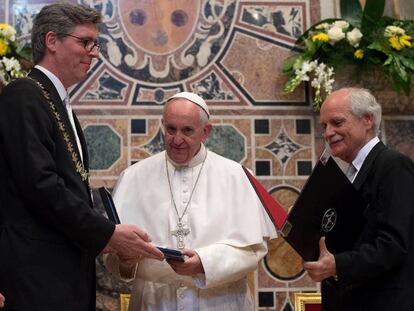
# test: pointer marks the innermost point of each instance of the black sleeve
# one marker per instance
(32, 145)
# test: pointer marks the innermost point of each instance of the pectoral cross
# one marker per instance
(180, 233)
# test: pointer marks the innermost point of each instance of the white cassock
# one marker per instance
(228, 229)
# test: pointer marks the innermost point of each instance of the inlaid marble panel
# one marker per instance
(399, 134)
(228, 142)
(104, 146)
(107, 87)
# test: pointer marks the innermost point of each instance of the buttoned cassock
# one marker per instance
(228, 229)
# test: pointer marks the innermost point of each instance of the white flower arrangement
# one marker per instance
(354, 37)
(322, 78)
(306, 65)
(10, 67)
(397, 37)
(8, 32)
(330, 45)
(366, 39)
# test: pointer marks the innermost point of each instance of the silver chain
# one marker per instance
(192, 191)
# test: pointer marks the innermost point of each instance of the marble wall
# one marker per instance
(230, 52)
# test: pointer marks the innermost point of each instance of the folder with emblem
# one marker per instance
(328, 205)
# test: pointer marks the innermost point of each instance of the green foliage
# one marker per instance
(352, 12)
(373, 11)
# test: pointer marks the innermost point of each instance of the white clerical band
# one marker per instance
(193, 98)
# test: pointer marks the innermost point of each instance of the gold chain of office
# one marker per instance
(80, 169)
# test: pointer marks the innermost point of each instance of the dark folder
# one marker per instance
(109, 205)
(329, 206)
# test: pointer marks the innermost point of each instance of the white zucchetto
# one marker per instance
(193, 98)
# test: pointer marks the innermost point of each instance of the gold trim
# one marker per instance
(124, 301)
(80, 169)
(287, 227)
(302, 299)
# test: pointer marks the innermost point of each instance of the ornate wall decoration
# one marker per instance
(164, 45)
(230, 52)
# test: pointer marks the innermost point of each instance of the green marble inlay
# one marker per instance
(104, 146)
(227, 141)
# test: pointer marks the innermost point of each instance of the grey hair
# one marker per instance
(363, 103)
(59, 18)
(204, 118)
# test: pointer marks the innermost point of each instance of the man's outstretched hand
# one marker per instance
(132, 243)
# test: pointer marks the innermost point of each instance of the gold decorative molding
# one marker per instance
(303, 299)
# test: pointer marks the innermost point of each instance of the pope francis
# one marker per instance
(194, 200)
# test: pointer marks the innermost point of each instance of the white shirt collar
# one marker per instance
(196, 160)
(363, 153)
(55, 80)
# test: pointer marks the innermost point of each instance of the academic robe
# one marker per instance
(378, 273)
(49, 232)
(228, 229)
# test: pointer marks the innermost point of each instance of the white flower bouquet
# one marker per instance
(373, 40)
(10, 55)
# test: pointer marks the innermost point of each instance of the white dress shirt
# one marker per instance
(362, 154)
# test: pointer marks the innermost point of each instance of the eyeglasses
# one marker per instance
(88, 44)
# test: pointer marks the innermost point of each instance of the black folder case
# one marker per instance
(109, 205)
(329, 206)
